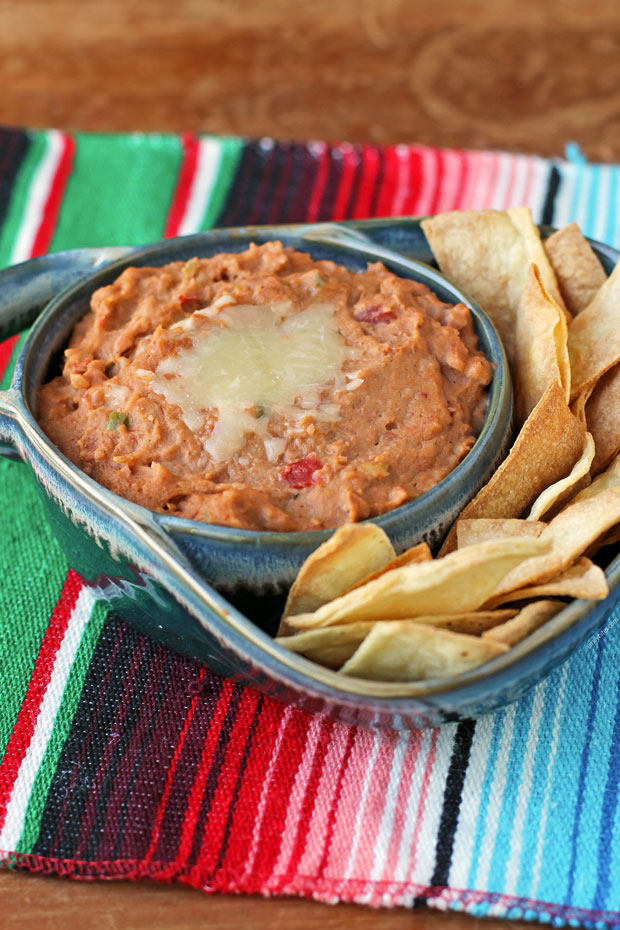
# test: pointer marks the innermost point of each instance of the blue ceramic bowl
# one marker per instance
(161, 573)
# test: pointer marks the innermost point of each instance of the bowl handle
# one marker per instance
(24, 290)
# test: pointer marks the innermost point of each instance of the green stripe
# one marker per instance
(7, 375)
(32, 573)
(19, 195)
(230, 153)
(119, 191)
(62, 728)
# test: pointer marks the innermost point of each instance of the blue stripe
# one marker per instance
(485, 794)
(612, 207)
(592, 205)
(609, 814)
(583, 768)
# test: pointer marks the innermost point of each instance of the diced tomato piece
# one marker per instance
(300, 474)
(187, 298)
(376, 313)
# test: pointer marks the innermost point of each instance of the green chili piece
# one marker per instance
(117, 418)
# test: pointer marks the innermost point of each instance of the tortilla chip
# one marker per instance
(472, 532)
(526, 621)
(578, 270)
(548, 446)
(419, 553)
(461, 582)
(409, 651)
(594, 336)
(583, 579)
(328, 645)
(540, 350)
(349, 555)
(603, 416)
(570, 533)
(556, 493)
(488, 253)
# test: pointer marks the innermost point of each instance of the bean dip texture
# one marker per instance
(268, 391)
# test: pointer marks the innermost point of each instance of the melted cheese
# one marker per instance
(255, 359)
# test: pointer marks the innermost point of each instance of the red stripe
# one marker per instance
(388, 186)
(213, 834)
(46, 229)
(367, 183)
(329, 833)
(39, 680)
(305, 816)
(438, 180)
(182, 192)
(269, 840)
(319, 185)
(243, 826)
(202, 770)
(6, 351)
(350, 160)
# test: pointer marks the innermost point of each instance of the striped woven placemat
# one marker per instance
(121, 759)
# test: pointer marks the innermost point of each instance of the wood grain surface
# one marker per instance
(515, 74)
(511, 74)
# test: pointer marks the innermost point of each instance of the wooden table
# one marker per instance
(510, 74)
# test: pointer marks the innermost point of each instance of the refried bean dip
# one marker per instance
(268, 391)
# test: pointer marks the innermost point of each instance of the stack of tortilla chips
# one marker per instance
(524, 544)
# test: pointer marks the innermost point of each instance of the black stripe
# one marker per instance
(93, 720)
(452, 801)
(303, 179)
(276, 166)
(237, 788)
(334, 171)
(359, 168)
(553, 186)
(14, 143)
(214, 772)
(135, 771)
(240, 190)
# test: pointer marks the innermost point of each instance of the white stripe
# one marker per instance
(536, 870)
(563, 214)
(494, 809)
(424, 865)
(479, 192)
(359, 819)
(504, 171)
(451, 180)
(207, 165)
(298, 792)
(517, 195)
(538, 189)
(384, 834)
(37, 197)
(413, 801)
(63, 663)
(265, 792)
(469, 809)
(513, 866)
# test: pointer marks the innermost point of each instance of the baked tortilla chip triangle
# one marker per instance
(583, 579)
(472, 532)
(578, 270)
(405, 650)
(351, 553)
(550, 443)
(460, 582)
(594, 336)
(603, 416)
(488, 253)
(540, 350)
(527, 620)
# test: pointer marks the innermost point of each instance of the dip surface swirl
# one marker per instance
(267, 391)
